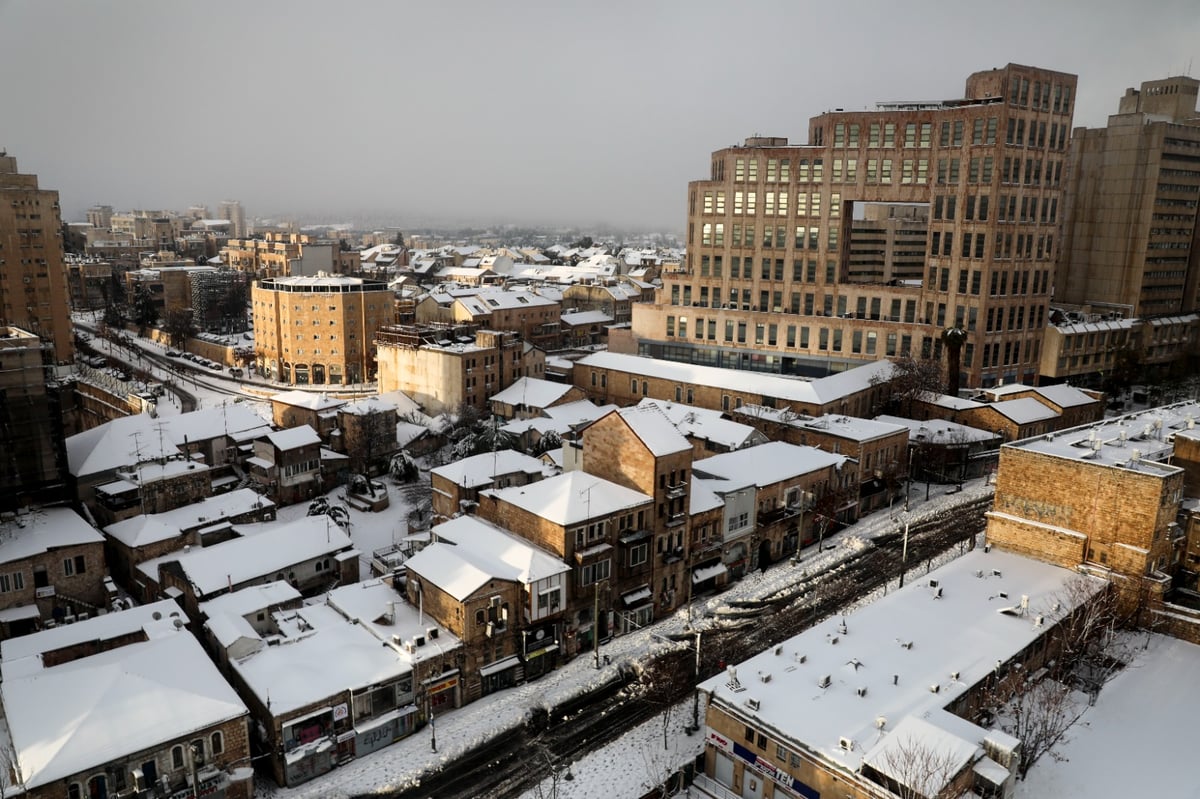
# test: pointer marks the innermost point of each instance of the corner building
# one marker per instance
(767, 284)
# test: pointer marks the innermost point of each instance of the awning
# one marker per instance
(19, 613)
(546, 650)
(590, 552)
(708, 572)
(637, 535)
(503, 664)
(636, 596)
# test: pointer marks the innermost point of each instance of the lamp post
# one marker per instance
(904, 553)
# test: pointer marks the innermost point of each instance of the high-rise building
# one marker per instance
(34, 294)
(233, 211)
(1129, 245)
(768, 285)
(32, 453)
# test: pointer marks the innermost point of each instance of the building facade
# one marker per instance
(33, 275)
(767, 284)
(1129, 247)
(318, 330)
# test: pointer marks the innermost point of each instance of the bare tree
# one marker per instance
(910, 379)
(1039, 713)
(913, 768)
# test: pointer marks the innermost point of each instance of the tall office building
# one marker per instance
(768, 282)
(1129, 245)
(233, 211)
(34, 293)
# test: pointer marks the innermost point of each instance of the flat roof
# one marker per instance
(571, 498)
(909, 654)
(1141, 441)
(767, 463)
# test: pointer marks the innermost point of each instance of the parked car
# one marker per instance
(174, 354)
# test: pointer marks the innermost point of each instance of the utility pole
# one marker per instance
(696, 689)
(904, 554)
(596, 623)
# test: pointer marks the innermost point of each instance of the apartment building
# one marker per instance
(445, 367)
(767, 286)
(1128, 243)
(33, 276)
(318, 330)
(33, 459)
(1104, 497)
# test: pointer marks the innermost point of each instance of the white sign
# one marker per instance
(341, 711)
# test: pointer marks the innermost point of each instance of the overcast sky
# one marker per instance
(484, 112)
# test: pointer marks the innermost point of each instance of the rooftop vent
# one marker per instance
(937, 594)
(824, 681)
(765, 676)
(753, 703)
(861, 690)
(996, 573)
(779, 649)
(954, 675)
(935, 689)
(880, 722)
(933, 583)
(906, 644)
(801, 658)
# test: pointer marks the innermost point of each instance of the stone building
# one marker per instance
(183, 730)
(456, 486)
(287, 464)
(318, 330)
(1129, 247)
(444, 368)
(52, 571)
(33, 458)
(627, 379)
(1105, 497)
(533, 317)
(34, 295)
(503, 597)
(766, 285)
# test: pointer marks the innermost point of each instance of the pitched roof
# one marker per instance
(571, 498)
(767, 463)
(655, 430)
(532, 392)
(43, 530)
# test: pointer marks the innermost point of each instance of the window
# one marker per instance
(594, 572)
(176, 757)
(638, 554)
(217, 743)
(74, 565)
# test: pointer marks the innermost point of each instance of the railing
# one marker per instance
(676, 519)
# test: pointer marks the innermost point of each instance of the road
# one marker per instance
(504, 767)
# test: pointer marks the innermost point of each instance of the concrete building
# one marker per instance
(33, 275)
(888, 245)
(1083, 348)
(318, 330)
(766, 285)
(1129, 247)
(232, 211)
(445, 367)
(33, 460)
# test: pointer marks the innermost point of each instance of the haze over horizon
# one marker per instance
(483, 113)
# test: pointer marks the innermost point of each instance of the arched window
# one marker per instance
(176, 757)
(74, 791)
(98, 787)
(217, 743)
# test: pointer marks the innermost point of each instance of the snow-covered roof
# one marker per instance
(1025, 410)
(957, 636)
(654, 429)
(42, 530)
(571, 498)
(586, 318)
(378, 608)
(322, 655)
(62, 718)
(532, 392)
(481, 470)
(272, 548)
(293, 437)
(121, 442)
(579, 412)
(487, 301)
(939, 430)
(952, 403)
(1139, 441)
(308, 399)
(149, 528)
(707, 493)
(814, 392)
(498, 552)
(449, 568)
(250, 599)
(368, 406)
(707, 424)
(19, 655)
(1065, 396)
(767, 463)
(893, 756)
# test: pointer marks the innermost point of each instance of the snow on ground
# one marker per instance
(1136, 738)
(612, 773)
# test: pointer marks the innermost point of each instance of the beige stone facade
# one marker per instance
(33, 276)
(443, 368)
(33, 463)
(766, 285)
(1128, 246)
(318, 330)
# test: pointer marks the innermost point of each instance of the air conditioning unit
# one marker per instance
(432, 633)
(846, 744)
(420, 640)
(491, 629)
(825, 681)
(753, 704)
(861, 691)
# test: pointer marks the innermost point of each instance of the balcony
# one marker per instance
(676, 519)
(778, 514)
(676, 491)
